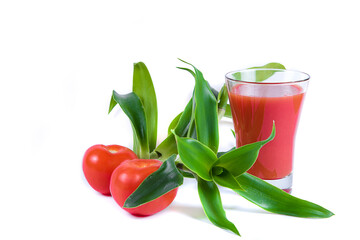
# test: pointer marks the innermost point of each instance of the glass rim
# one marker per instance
(306, 77)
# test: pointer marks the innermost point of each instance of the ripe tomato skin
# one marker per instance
(128, 176)
(100, 161)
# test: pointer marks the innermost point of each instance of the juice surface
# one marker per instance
(254, 108)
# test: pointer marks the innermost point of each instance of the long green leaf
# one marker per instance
(144, 88)
(278, 201)
(211, 201)
(206, 115)
(160, 182)
(196, 156)
(241, 159)
(133, 108)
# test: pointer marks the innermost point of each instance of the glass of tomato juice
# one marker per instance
(258, 97)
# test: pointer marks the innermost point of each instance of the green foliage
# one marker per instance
(193, 135)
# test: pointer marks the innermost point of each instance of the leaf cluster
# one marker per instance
(191, 150)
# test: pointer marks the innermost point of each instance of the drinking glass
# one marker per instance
(258, 97)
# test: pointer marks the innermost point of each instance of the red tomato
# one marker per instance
(100, 161)
(128, 176)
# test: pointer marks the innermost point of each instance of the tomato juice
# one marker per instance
(254, 107)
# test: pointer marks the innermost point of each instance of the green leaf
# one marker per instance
(276, 200)
(206, 118)
(262, 75)
(191, 131)
(233, 133)
(168, 147)
(222, 98)
(241, 159)
(133, 108)
(222, 101)
(228, 111)
(183, 125)
(136, 143)
(206, 115)
(174, 123)
(192, 127)
(214, 91)
(144, 88)
(272, 65)
(185, 171)
(187, 69)
(196, 156)
(224, 178)
(160, 182)
(211, 201)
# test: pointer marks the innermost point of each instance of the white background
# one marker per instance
(60, 61)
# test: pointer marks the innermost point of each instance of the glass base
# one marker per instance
(283, 183)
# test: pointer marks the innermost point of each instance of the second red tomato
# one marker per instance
(128, 176)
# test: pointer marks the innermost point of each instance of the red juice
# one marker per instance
(254, 108)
